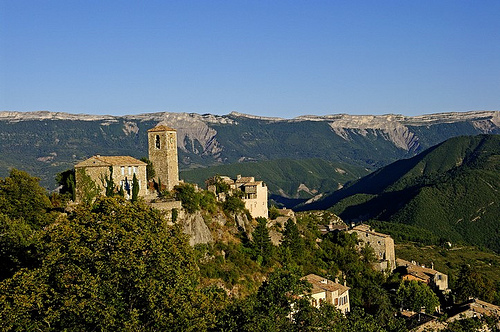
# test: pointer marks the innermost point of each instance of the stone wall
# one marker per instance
(382, 244)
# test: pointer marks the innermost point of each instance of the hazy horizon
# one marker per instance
(274, 59)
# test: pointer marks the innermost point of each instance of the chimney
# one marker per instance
(336, 280)
(345, 283)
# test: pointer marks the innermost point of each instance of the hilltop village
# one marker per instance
(129, 177)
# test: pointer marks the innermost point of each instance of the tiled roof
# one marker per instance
(161, 128)
(321, 284)
(110, 161)
(418, 271)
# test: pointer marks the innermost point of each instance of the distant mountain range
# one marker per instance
(335, 148)
(451, 189)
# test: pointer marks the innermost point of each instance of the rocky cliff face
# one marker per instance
(194, 226)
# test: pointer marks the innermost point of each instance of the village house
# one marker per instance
(382, 244)
(254, 193)
(325, 290)
(475, 308)
(414, 271)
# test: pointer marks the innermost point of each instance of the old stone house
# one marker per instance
(382, 244)
(254, 193)
(475, 308)
(325, 290)
(414, 271)
(162, 148)
(123, 168)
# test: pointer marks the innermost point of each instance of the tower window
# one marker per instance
(157, 141)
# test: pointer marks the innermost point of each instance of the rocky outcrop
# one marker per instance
(194, 226)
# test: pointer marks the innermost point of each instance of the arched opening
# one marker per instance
(157, 141)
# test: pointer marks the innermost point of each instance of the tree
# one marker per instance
(186, 193)
(67, 182)
(135, 188)
(274, 212)
(111, 266)
(233, 204)
(414, 295)
(110, 183)
(261, 245)
(22, 197)
(150, 171)
(470, 283)
(291, 239)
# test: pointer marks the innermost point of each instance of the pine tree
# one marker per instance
(291, 239)
(110, 184)
(261, 242)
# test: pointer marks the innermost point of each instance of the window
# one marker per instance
(123, 170)
(135, 169)
(130, 170)
(157, 141)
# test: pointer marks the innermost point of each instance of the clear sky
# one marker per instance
(269, 57)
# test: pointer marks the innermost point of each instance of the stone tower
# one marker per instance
(162, 142)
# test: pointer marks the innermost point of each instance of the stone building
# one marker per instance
(162, 146)
(325, 290)
(382, 244)
(99, 168)
(254, 193)
(475, 308)
(414, 271)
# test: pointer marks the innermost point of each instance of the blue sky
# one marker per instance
(271, 58)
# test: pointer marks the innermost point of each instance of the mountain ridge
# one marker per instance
(44, 143)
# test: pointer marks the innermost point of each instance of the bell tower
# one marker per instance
(162, 143)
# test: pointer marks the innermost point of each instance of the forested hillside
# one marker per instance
(452, 189)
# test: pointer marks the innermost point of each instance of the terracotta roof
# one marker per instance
(161, 128)
(321, 284)
(110, 161)
(415, 270)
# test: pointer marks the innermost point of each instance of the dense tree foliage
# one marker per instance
(193, 199)
(67, 183)
(414, 295)
(472, 284)
(112, 266)
(150, 171)
(262, 248)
